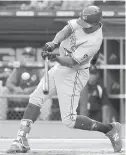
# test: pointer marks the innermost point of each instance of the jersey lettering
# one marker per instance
(82, 46)
(73, 42)
(85, 56)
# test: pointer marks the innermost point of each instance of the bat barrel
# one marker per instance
(46, 78)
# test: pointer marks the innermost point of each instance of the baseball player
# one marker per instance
(76, 43)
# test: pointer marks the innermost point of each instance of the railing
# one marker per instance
(17, 96)
(16, 111)
(117, 96)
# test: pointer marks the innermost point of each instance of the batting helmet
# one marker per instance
(91, 15)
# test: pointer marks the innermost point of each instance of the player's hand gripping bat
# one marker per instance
(46, 56)
(46, 77)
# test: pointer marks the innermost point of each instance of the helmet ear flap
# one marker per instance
(83, 16)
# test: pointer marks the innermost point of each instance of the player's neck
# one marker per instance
(92, 29)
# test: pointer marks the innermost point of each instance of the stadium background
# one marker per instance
(29, 24)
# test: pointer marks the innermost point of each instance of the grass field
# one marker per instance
(66, 147)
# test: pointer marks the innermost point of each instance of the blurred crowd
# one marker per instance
(20, 81)
(94, 101)
(23, 81)
(56, 4)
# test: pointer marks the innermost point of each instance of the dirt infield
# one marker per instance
(65, 147)
(67, 153)
(52, 138)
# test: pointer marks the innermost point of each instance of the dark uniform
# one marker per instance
(97, 97)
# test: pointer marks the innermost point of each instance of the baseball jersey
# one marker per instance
(80, 45)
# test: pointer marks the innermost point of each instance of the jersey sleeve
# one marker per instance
(83, 53)
(72, 23)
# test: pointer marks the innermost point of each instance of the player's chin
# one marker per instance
(83, 23)
(87, 26)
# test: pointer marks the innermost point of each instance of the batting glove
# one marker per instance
(51, 56)
(44, 54)
(50, 46)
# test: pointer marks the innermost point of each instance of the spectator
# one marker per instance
(23, 81)
(3, 102)
(4, 74)
(33, 4)
(42, 5)
(78, 5)
(99, 106)
(54, 5)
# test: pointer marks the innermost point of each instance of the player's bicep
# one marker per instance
(82, 54)
(63, 34)
(67, 31)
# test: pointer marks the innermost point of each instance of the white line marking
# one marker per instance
(85, 149)
(36, 139)
(69, 150)
(60, 140)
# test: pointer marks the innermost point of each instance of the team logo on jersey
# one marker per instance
(73, 48)
(73, 42)
(85, 56)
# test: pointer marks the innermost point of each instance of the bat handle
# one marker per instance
(46, 64)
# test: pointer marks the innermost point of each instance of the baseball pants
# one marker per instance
(66, 83)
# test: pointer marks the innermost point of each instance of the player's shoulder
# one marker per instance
(96, 35)
(73, 24)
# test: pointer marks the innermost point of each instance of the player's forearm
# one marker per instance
(11, 86)
(60, 36)
(55, 51)
(65, 61)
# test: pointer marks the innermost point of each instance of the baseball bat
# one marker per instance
(46, 78)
